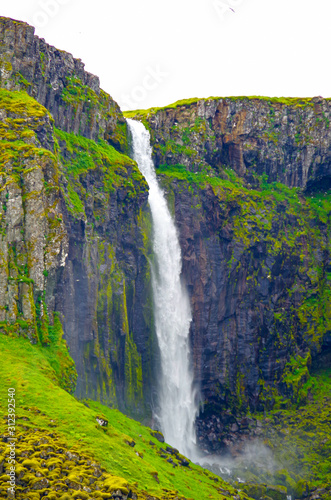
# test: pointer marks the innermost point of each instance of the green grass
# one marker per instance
(74, 204)
(87, 153)
(27, 368)
(298, 437)
(75, 92)
(110, 169)
(203, 177)
(321, 204)
(84, 154)
(20, 103)
(142, 112)
(58, 357)
(23, 116)
(288, 101)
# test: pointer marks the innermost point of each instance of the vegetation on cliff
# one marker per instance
(289, 225)
(275, 241)
(140, 114)
(248, 180)
(80, 156)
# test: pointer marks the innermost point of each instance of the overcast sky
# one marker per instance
(151, 52)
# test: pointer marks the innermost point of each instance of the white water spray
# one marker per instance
(178, 407)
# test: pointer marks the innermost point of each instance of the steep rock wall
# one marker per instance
(59, 82)
(287, 139)
(256, 253)
(75, 223)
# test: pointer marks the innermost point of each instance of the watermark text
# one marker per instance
(223, 7)
(153, 78)
(11, 444)
(48, 9)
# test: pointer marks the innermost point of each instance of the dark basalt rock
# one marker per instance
(158, 435)
(287, 139)
(59, 82)
(258, 286)
(87, 262)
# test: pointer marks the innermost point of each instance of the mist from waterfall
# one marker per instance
(177, 403)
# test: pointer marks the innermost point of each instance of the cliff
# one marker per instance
(243, 177)
(74, 221)
(248, 181)
(288, 139)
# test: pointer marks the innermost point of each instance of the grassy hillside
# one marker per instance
(59, 441)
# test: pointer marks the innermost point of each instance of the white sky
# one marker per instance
(151, 53)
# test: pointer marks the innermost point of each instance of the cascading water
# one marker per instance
(178, 407)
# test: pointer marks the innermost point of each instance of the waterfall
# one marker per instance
(178, 407)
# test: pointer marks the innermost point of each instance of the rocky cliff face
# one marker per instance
(74, 222)
(59, 82)
(256, 249)
(287, 139)
(248, 182)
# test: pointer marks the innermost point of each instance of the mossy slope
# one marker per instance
(59, 442)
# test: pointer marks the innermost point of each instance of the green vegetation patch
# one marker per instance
(20, 103)
(109, 171)
(21, 118)
(300, 436)
(125, 448)
(288, 101)
(85, 154)
(75, 91)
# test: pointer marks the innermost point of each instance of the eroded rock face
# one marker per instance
(34, 240)
(256, 262)
(73, 215)
(287, 139)
(256, 301)
(59, 82)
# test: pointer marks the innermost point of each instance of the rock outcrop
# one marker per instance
(59, 82)
(287, 139)
(74, 221)
(256, 248)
